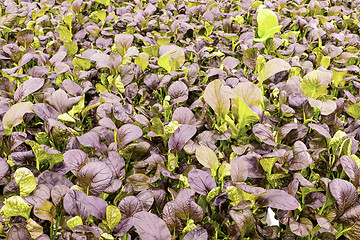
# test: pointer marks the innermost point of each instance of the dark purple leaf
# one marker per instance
(4, 168)
(244, 220)
(238, 170)
(18, 231)
(278, 199)
(201, 181)
(96, 206)
(344, 192)
(58, 193)
(180, 137)
(95, 177)
(129, 206)
(350, 168)
(52, 179)
(321, 130)
(123, 227)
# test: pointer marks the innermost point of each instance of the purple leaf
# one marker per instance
(181, 136)
(151, 227)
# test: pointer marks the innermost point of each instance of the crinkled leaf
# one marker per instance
(113, 216)
(129, 206)
(75, 159)
(26, 180)
(18, 231)
(16, 206)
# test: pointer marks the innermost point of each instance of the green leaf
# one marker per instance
(113, 216)
(34, 228)
(338, 77)
(45, 210)
(216, 96)
(68, 20)
(73, 222)
(213, 194)
(207, 158)
(65, 117)
(224, 170)
(77, 108)
(268, 24)
(43, 157)
(105, 2)
(14, 116)
(71, 47)
(268, 163)
(354, 111)
(83, 64)
(336, 140)
(272, 67)
(345, 147)
(64, 32)
(325, 61)
(172, 59)
(142, 60)
(16, 206)
(26, 180)
(152, 51)
(315, 83)
(245, 115)
(236, 195)
(249, 92)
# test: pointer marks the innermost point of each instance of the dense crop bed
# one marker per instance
(179, 119)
